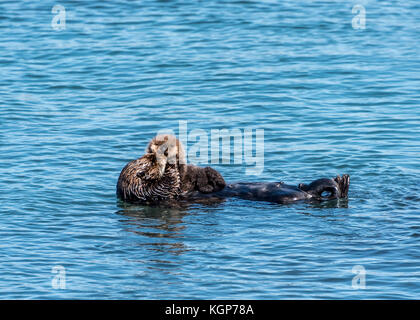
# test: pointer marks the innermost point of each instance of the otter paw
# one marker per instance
(209, 180)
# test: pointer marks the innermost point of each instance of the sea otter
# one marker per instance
(162, 175)
(279, 192)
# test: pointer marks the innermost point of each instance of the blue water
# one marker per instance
(77, 104)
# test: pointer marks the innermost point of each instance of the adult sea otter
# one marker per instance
(162, 175)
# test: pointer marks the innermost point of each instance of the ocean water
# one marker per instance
(80, 98)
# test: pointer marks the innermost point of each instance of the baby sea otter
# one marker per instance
(162, 174)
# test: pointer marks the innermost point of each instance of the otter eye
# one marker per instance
(166, 153)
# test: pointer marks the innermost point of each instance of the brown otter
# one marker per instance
(163, 175)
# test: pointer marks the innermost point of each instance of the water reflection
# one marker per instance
(313, 208)
(162, 228)
(335, 203)
(162, 225)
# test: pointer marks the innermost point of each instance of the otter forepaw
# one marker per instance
(210, 180)
(215, 179)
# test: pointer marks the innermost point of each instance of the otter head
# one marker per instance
(166, 149)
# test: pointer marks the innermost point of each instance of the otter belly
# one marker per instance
(272, 191)
(279, 192)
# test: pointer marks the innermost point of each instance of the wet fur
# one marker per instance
(162, 174)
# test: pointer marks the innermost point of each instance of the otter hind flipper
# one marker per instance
(343, 185)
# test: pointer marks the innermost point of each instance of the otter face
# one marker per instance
(167, 150)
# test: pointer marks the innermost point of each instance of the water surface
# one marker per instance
(77, 104)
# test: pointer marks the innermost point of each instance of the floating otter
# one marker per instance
(279, 192)
(162, 175)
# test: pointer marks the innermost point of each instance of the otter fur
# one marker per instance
(162, 174)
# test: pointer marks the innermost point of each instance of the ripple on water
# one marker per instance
(78, 104)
